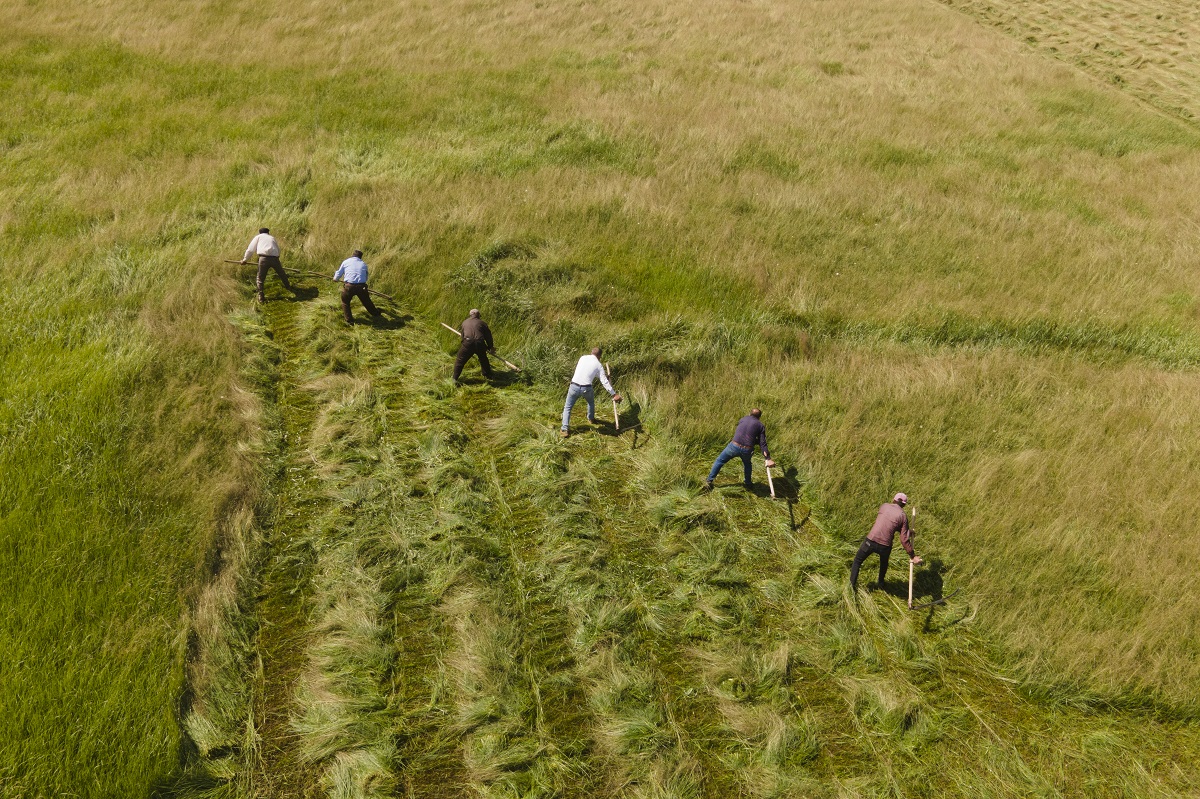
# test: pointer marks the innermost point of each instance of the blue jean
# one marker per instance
(573, 395)
(730, 452)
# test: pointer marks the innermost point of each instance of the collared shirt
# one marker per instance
(751, 431)
(352, 270)
(262, 244)
(475, 329)
(891, 520)
(587, 370)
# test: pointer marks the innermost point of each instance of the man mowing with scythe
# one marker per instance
(353, 274)
(587, 371)
(750, 431)
(891, 520)
(266, 248)
(476, 342)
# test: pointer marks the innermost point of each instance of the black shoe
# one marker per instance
(708, 485)
(748, 486)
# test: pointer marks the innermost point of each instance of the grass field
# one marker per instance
(254, 553)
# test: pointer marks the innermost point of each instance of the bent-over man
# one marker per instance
(587, 371)
(266, 248)
(750, 431)
(354, 272)
(476, 341)
(891, 520)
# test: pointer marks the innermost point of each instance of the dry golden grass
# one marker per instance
(1143, 47)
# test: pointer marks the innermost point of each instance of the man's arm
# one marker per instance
(906, 534)
(487, 336)
(251, 248)
(604, 378)
(341, 270)
(762, 440)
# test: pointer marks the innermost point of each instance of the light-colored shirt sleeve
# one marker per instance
(603, 377)
(587, 370)
(251, 248)
(352, 270)
(262, 244)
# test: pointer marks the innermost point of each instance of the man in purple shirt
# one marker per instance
(750, 431)
(891, 520)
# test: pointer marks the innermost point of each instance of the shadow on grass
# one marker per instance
(502, 378)
(386, 320)
(928, 582)
(631, 422)
(303, 294)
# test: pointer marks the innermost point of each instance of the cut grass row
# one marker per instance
(495, 611)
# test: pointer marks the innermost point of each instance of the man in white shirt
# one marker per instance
(354, 272)
(266, 248)
(586, 371)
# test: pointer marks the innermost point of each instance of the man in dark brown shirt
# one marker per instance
(477, 341)
(891, 520)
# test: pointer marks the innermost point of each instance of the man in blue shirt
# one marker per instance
(354, 272)
(750, 431)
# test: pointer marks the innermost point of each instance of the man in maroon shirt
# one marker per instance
(891, 520)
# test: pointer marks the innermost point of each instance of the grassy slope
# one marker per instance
(668, 178)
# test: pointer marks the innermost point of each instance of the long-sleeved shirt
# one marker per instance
(352, 270)
(751, 431)
(587, 370)
(474, 329)
(892, 520)
(262, 244)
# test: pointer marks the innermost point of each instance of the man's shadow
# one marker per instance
(927, 579)
(631, 420)
(389, 319)
(501, 378)
(304, 293)
(928, 583)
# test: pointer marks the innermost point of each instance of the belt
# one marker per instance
(348, 283)
(581, 385)
(742, 446)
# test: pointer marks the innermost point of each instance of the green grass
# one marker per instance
(284, 555)
(494, 611)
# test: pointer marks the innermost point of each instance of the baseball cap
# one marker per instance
(902, 498)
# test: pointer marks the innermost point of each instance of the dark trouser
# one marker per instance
(469, 348)
(869, 546)
(357, 290)
(266, 262)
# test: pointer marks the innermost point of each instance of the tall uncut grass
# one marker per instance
(941, 262)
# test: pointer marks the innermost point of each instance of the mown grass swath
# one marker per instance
(964, 276)
(580, 619)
